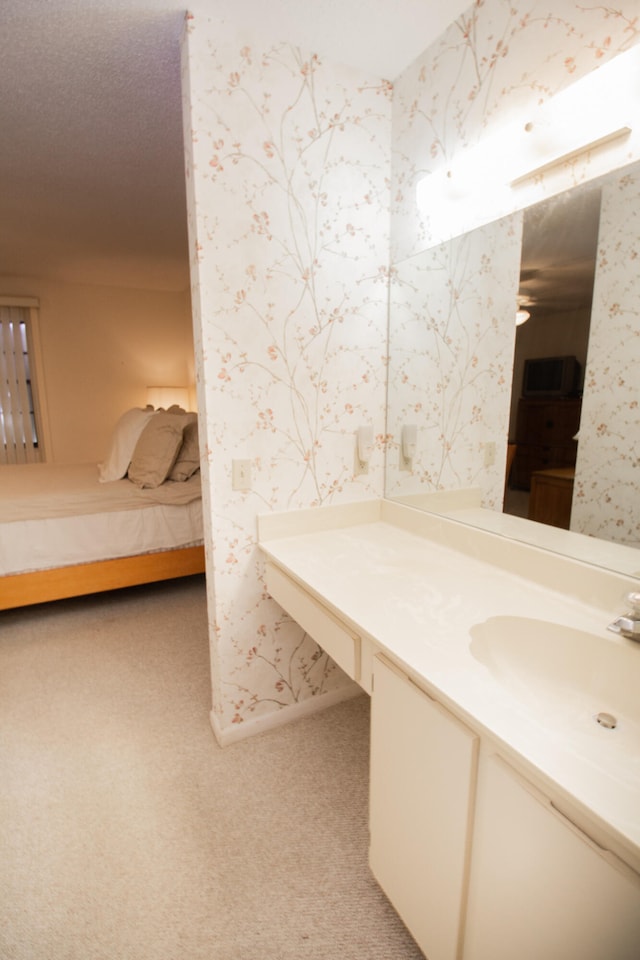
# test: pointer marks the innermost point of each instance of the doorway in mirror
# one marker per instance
(559, 246)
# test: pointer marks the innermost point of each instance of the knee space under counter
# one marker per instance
(336, 637)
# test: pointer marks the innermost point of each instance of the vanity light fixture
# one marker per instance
(591, 115)
(522, 316)
(473, 185)
(571, 155)
(586, 123)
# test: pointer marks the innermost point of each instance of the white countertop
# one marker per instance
(422, 602)
(464, 505)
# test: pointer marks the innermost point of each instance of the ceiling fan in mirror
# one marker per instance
(523, 310)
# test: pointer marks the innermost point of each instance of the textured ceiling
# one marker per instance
(91, 167)
(91, 162)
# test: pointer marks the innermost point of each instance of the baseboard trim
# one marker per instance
(250, 728)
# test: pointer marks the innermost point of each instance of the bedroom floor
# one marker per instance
(127, 834)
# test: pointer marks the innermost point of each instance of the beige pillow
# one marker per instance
(126, 434)
(189, 454)
(156, 450)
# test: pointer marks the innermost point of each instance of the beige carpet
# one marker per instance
(127, 834)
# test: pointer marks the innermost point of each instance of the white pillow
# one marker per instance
(125, 436)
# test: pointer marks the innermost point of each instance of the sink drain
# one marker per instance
(606, 720)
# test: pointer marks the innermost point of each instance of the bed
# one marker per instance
(73, 529)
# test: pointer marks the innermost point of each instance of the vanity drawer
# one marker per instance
(335, 637)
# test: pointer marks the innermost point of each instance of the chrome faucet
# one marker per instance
(628, 625)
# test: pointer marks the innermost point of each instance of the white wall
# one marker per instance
(101, 346)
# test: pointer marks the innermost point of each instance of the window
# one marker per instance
(20, 430)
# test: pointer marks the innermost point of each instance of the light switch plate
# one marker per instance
(489, 454)
(241, 474)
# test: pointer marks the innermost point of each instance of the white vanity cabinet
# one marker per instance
(540, 887)
(423, 766)
(479, 863)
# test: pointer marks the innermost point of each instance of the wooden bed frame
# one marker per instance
(40, 586)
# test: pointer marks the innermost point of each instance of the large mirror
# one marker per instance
(530, 430)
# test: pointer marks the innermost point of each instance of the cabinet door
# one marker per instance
(551, 499)
(539, 887)
(423, 764)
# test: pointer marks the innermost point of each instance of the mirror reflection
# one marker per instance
(555, 294)
(489, 413)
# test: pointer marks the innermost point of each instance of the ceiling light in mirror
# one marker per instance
(522, 311)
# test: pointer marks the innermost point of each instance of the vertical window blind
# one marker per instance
(19, 442)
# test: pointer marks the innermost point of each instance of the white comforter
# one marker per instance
(36, 491)
(54, 515)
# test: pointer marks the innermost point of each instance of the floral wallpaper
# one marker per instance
(605, 499)
(301, 178)
(452, 339)
(288, 160)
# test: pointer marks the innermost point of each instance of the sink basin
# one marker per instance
(571, 680)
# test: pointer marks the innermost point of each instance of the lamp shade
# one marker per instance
(166, 397)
